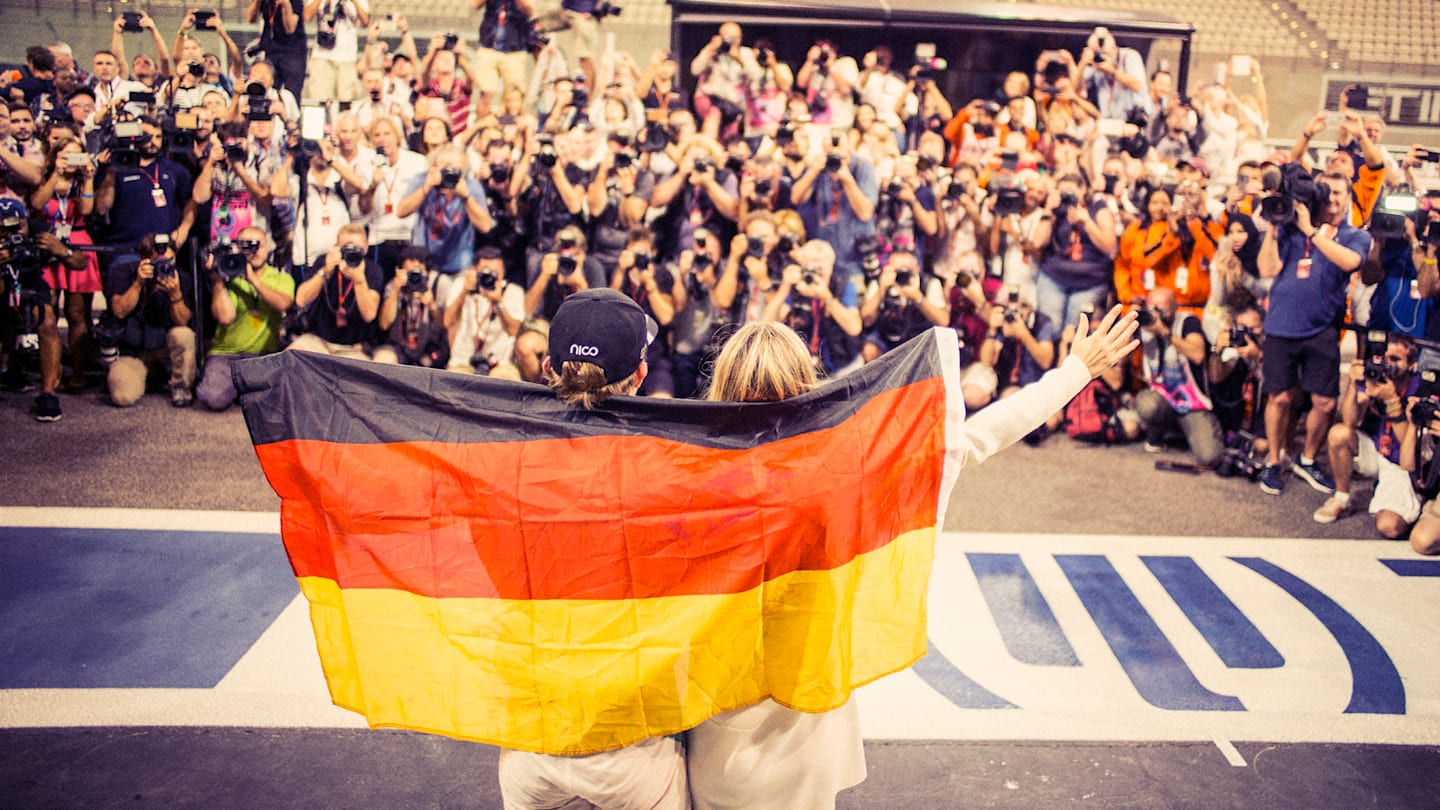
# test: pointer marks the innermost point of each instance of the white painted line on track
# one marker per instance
(1232, 754)
(194, 520)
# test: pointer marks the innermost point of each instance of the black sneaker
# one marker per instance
(14, 380)
(180, 396)
(47, 408)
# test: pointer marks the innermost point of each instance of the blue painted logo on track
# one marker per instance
(1032, 636)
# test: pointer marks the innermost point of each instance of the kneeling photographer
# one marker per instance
(148, 323)
(1020, 346)
(411, 317)
(30, 311)
(248, 300)
(1418, 455)
(342, 295)
(1234, 371)
(1370, 433)
(1173, 351)
(483, 318)
(902, 303)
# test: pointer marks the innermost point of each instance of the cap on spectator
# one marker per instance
(1198, 164)
(604, 327)
(12, 208)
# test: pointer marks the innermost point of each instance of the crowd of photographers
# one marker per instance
(436, 208)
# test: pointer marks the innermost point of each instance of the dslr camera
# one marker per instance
(1427, 395)
(1292, 185)
(230, 259)
(449, 178)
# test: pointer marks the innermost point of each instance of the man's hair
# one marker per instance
(759, 214)
(1411, 350)
(40, 57)
(582, 385)
(412, 253)
(146, 248)
(763, 361)
(640, 235)
(349, 228)
(1342, 179)
(18, 106)
(107, 52)
(575, 233)
(82, 90)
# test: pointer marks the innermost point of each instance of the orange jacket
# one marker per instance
(1150, 258)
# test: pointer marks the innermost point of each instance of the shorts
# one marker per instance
(1311, 364)
(495, 69)
(648, 774)
(1393, 490)
(584, 34)
(328, 80)
(980, 376)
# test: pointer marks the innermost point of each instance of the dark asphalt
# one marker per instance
(153, 456)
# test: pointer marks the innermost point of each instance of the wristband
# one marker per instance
(1393, 409)
(1428, 261)
(85, 196)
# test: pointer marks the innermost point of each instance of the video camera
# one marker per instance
(1388, 221)
(1292, 185)
(1239, 458)
(124, 143)
(1009, 195)
(604, 9)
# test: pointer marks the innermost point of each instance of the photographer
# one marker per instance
(723, 70)
(30, 302)
(240, 178)
(1233, 369)
(1403, 299)
(1310, 263)
(187, 49)
(1013, 212)
(375, 103)
(412, 317)
(447, 75)
(905, 215)
(1368, 437)
(1021, 342)
(503, 45)
(65, 201)
(483, 318)
(615, 202)
(150, 196)
(653, 287)
(1366, 181)
(1173, 351)
(331, 76)
(149, 323)
(752, 272)
(700, 313)
(248, 299)
(828, 83)
(398, 171)
(819, 303)
(560, 273)
(282, 39)
(838, 192)
(451, 204)
(1417, 455)
(902, 303)
(328, 186)
(342, 295)
(700, 194)
(143, 70)
(1169, 247)
(1114, 77)
(1077, 269)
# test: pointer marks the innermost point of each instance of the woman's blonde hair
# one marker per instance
(762, 362)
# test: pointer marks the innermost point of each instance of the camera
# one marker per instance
(869, 249)
(1009, 196)
(704, 165)
(700, 260)
(487, 280)
(763, 187)
(1068, 199)
(956, 190)
(500, 173)
(124, 143)
(164, 266)
(131, 24)
(655, 137)
(903, 278)
(547, 156)
(449, 178)
(640, 261)
(623, 159)
(1145, 316)
(755, 247)
(810, 277)
(832, 162)
(1377, 368)
(415, 282)
(604, 9)
(785, 134)
(352, 255)
(204, 20)
(1427, 394)
(894, 187)
(1136, 144)
(734, 164)
(1238, 459)
(1239, 336)
(236, 151)
(785, 244)
(1292, 185)
(230, 261)
(451, 40)
(196, 69)
(325, 38)
(567, 264)
(1388, 221)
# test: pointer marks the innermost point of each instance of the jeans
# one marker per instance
(1063, 306)
(1201, 428)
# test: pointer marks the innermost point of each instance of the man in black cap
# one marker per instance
(597, 347)
(597, 350)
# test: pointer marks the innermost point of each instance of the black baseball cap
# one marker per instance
(604, 327)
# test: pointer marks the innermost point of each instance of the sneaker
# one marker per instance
(1153, 447)
(14, 380)
(1333, 509)
(1271, 480)
(47, 408)
(180, 397)
(1318, 479)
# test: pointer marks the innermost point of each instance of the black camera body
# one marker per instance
(547, 155)
(903, 278)
(236, 151)
(164, 266)
(1427, 396)
(755, 247)
(1009, 197)
(1393, 210)
(452, 39)
(449, 178)
(1377, 368)
(1239, 336)
(230, 261)
(415, 282)
(655, 137)
(704, 165)
(352, 255)
(568, 264)
(785, 244)
(1145, 316)
(1068, 200)
(487, 280)
(1239, 459)
(604, 9)
(1293, 186)
(869, 249)
(832, 162)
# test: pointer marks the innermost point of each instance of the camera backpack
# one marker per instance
(1093, 415)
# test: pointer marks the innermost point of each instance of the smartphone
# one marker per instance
(132, 22)
(140, 98)
(203, 20)
(1240, 66)
(1357, 97)
(77, 159)
(1428, 155)
(312, 122)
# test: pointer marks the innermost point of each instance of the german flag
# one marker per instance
(485, 563)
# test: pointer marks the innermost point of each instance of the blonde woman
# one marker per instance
(767, 756)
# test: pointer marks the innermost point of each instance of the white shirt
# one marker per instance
(389, 190)
(347, 47)
(322, 222)
(480, 326)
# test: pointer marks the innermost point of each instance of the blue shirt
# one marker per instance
(1305, 307)
(1392, 308)
(827, 214)
(444, 228)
